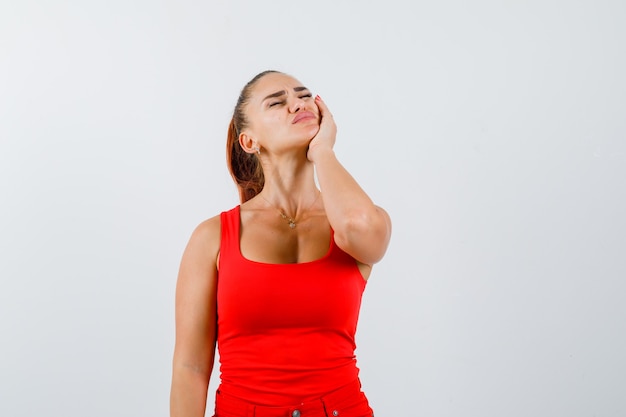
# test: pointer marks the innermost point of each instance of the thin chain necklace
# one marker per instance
(291, 220)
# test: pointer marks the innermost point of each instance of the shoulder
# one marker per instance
(204, 243)
(207, 234)
(208, 228)
(211, 228)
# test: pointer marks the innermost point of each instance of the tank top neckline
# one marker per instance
(314, 261)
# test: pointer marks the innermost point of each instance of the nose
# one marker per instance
(297, 105)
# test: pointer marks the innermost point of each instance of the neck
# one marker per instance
(290, 187)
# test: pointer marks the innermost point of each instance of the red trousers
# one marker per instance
(348, 401)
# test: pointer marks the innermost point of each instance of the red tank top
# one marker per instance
(285, 331)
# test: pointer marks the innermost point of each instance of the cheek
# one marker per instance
(316, 110)
(269, 123)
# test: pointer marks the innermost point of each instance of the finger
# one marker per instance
(322, 106)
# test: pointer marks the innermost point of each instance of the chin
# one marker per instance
(305, 137)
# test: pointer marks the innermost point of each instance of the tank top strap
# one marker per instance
(230, 223)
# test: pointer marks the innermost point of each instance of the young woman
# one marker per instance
(276, 282)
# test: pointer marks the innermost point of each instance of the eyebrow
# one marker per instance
(282, 92)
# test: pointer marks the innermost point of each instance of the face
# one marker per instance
(282, 114)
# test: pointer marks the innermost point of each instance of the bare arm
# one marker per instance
(361, 228)
(196, 322)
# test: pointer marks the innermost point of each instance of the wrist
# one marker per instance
(318, 154)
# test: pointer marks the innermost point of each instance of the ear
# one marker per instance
(248, 144)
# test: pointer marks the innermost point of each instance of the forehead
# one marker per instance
(272, 83)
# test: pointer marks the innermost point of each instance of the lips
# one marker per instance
(303, 116)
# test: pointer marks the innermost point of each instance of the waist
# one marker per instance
(346, 400)
(285, 384)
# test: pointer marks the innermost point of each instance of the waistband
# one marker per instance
(344, 401)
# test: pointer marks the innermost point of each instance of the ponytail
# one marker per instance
(245, 168)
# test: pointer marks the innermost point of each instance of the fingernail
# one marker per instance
(317, 97)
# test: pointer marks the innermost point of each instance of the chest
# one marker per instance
(325, 293)
(271, 240)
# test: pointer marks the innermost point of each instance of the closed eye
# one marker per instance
(280, 103)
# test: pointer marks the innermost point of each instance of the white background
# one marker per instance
(493, 132)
